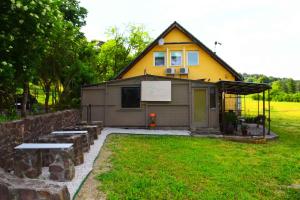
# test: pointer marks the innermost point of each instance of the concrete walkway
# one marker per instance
(82, 171)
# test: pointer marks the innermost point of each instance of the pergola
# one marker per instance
(238, 88)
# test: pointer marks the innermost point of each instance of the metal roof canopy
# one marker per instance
(242, 88)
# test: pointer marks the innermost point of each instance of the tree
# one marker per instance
(277, 86)
(291, 85)
(7, 86)
(41, 42)
(262, 79)
(26, 24)
(120, 49)
(73, 12)
(298, 86)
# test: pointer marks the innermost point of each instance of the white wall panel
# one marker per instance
(156, 91)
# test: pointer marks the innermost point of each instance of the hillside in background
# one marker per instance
(283, 89)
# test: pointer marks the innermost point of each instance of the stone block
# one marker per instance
(62, 169)
(12, 187)
(85, 138)
(28, 163)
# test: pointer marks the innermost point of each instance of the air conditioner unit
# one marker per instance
(184, 70)
(170, 71)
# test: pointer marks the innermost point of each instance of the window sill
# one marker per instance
(130, 109)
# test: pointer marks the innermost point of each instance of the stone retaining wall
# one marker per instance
(29, 129)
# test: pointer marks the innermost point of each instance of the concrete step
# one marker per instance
(206, 131)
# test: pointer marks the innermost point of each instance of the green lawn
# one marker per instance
(166, 167)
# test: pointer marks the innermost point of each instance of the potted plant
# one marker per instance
(230, 120)
(244, 129)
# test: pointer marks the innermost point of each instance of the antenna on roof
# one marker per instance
(216, 43)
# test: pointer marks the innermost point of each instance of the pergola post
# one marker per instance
(245, 105)
(223, 108)
(269, 109)
(257, 104)
(264, 116)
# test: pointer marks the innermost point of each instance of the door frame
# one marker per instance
(195, 125)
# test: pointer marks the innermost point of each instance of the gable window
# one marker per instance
(176, 58)
(131, 97)
(192, 58)
(159, 59)
(212, 97)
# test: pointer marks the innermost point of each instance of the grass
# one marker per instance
(4, 118)
(169, 167)
(38, 92)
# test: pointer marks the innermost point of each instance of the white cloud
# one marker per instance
(257, 36)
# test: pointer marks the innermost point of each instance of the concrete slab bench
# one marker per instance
(28, 160)
(76, 140)
(98, 123)
(85, 138)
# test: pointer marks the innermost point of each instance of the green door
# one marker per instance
(199, 109)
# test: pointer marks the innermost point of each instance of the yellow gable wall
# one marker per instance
(208, 68)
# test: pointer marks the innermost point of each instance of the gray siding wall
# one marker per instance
(105, 100)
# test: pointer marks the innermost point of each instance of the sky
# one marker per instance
(257, 36)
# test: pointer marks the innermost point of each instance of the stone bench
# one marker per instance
(83, 133)
(79, 128)
(28, 160)
(12, 187)
(99, 124)
(76, 140)
(93, 131)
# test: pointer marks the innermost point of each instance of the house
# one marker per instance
(176, 77)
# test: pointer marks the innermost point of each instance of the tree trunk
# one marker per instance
(24, 98)
(47, 93)
(57, 95)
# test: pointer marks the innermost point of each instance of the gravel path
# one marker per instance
(82, 171)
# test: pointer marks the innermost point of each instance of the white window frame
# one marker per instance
(171, 59)
(187, 58)
(154, 64)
